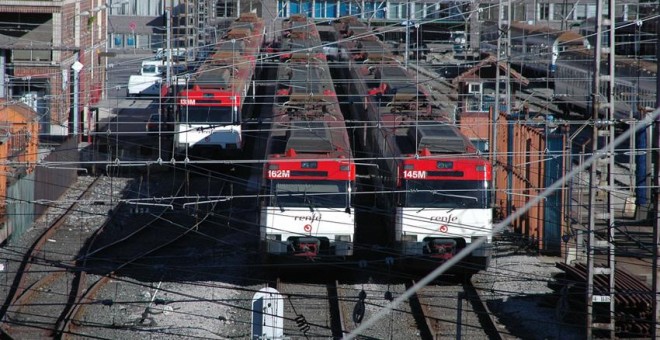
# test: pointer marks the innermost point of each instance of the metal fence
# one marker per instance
(51, 181)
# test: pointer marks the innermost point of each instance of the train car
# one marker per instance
(534, 48)
(634, 83)
(309, 173)
(632, 38)
(437, 186)
(299, 35)
(210, 109)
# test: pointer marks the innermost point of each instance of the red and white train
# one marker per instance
(309, 173)
(436, 186)
(210, 110)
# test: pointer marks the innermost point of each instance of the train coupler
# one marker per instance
(440, 248)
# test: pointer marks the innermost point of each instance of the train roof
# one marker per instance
(309, 137)
(305, 82)
(565, 37)
(439, 138)
(249, 17)
(323, 136)
(213, 78)
(624, 65)
(397, 79)
(307, 117)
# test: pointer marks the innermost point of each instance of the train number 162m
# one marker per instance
(279, 173)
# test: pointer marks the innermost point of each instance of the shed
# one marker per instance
(476, 86)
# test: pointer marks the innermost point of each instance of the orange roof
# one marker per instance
(490, 60)
(12, 107)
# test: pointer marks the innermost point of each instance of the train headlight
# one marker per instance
(408, 167)
(273, 166)
(345, 168)
(409, 238)
(343, 238)
(481, 168)
(274, 237)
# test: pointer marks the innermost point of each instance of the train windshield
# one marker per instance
(207, 114)
(312, 194)
(447, 194)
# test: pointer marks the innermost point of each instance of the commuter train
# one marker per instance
(534, 48)
(299, 35)
(634, 83)
(209, 110)
(309, 172)
(436, 187)
(633, 38)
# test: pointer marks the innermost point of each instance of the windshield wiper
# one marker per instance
(279, 204)
(308, 201)
(437, 192)
(461, 203)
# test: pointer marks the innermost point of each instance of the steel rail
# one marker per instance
(20, 291)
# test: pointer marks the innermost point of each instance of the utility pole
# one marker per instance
(656, 202)
(611, 228)
(602, 129)
(405, 56)
(508, 59)
(168, 19)
(496, 107)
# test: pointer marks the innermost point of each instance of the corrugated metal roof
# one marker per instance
(29, 9)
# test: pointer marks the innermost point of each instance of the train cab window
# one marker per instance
(325, 194)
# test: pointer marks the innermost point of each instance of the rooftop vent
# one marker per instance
(309, 137)
(439, 138)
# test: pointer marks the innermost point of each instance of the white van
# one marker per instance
(178, 54)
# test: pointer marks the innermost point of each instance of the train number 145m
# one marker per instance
(414, 174)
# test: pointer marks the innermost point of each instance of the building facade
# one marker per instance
(19, 151)
(39, 43)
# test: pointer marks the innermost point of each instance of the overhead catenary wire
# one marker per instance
(499, 226)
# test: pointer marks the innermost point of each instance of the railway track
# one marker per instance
(311, 310)
(43, 275)
(87, 295)
(334, 309)
(51, 291)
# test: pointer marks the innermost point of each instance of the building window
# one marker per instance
(519, 12)
(225, 8)
(559, 12)
(580, 12)
(488, 12)
(474, 87)
(543, 12)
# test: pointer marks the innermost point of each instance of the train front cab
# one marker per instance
(441, 208)
(427, 252)
(307, 219)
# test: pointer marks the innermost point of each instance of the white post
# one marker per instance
(76, 67)
(104, 93)
(93, 51)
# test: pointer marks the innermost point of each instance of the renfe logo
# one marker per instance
(279, 173)
(445, 219)
(187, 101)
(314, 217)
(414, 174)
